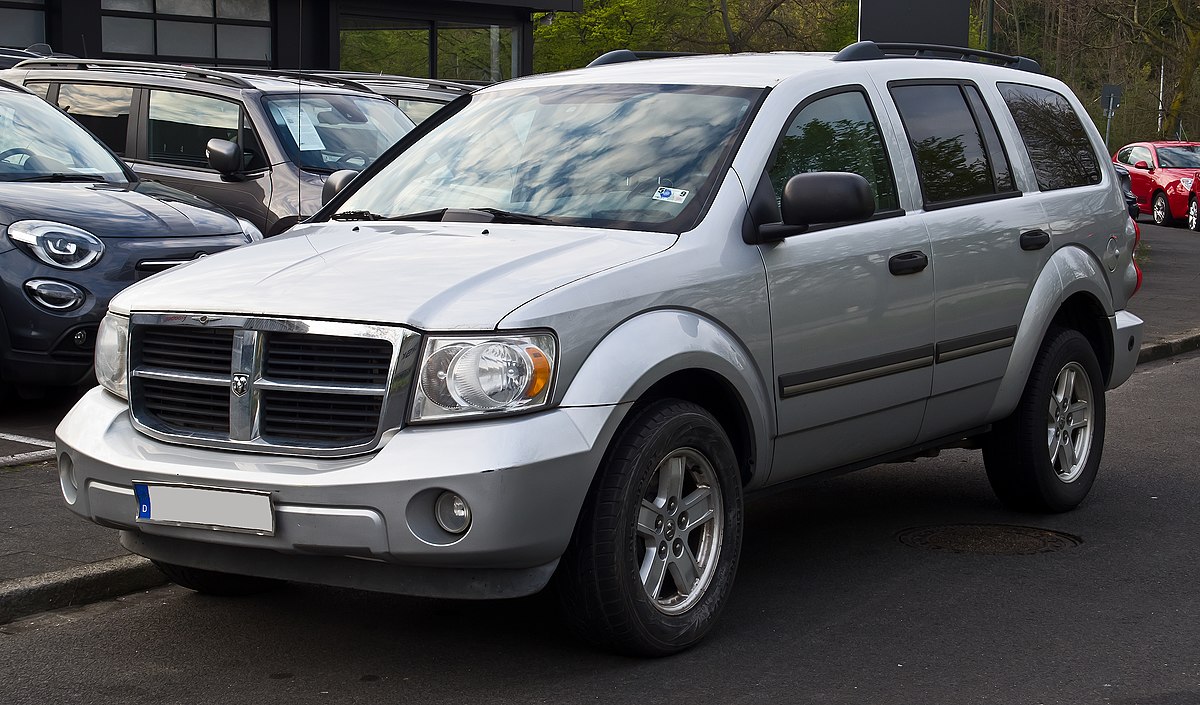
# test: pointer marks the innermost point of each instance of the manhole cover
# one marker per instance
(988, 539)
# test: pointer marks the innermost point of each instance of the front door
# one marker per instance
(851, 305)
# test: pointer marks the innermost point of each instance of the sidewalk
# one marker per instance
(49, 557)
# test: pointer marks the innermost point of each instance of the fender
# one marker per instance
(1069, 271)
(648, 347)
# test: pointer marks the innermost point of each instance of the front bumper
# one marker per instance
(364, 521)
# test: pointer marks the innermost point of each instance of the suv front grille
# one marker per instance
(267, 384)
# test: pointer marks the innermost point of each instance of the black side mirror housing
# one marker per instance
(820, 197)
(335, 183)
(224, 156)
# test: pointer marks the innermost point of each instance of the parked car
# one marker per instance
(566, 330)
(419, 98)
(259, 145)
(1126, 183)
(10, 56)
(1163, 175)
(77, 226)
(1193, 210)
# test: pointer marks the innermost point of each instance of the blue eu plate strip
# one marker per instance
(142, 493)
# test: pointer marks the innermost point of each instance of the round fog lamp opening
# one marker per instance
(452, 513)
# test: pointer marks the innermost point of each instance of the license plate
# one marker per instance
(205, 507)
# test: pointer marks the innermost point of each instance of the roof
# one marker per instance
(748, 70)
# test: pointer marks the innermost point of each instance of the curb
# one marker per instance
(1169, 347)
(76, 586)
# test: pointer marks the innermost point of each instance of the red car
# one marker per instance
(1164, 178)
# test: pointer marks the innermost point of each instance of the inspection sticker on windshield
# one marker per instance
(673, 195)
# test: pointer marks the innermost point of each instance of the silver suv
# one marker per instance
(258, 143)
(563, 333)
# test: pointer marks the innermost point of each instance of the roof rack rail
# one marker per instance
(369, 77)
(618, 56)
(867, 50)
(195, 72)
(312, 76)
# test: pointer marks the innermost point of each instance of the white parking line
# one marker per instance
(35, 456)
(26, 440)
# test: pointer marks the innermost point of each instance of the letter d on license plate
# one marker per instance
(205, 507)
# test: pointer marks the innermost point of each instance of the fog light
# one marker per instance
(66, 478)
(80, 338)
(452, 513)
(54, 295)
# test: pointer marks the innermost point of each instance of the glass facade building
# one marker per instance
(480, 40)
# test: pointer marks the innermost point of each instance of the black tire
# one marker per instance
(1193, 215)
(1018, 455)
(1160, 210)
(599, 582)
(210, 582)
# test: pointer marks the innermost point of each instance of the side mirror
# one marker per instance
(1142, 165)
(821, 197)
(337, 181)
(224, 156)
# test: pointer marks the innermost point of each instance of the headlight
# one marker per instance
(474, 376)
(250, 230)
(56, 244)
(112, 355)
(1187, 183)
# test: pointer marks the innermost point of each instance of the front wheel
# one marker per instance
(1044, 457)
(1193, 219)
(656, 547)
(1161, 210)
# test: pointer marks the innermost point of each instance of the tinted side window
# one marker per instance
(181, 124)
(102, 109)
(1058, 145)
(1123, 155)
(1141, 154)
(1001, 172)
(952, 160)
(836, 133)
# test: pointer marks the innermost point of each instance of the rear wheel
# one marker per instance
(654, 554)
(1161, 210)
(1193, 219)
(210, 582)
(1044, 457)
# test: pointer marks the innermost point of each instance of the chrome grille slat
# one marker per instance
(267, 384)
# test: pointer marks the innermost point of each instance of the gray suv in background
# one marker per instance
(259, 145)
(565, 331)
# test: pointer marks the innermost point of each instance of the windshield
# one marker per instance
(629, 156)
(39, 143)
(1184, 157)
(326, 133)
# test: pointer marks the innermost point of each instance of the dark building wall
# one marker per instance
(925, 21)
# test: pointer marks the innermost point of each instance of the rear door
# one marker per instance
(989, 242)
(850, 303)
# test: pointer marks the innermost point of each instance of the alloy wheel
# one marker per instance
(1160, 210)
(680, 525)
(1194, 215)
(1069, 422)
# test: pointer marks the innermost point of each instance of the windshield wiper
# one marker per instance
(59, 177)
(503, 216)
(356, 215)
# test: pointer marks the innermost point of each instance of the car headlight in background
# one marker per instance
(57, 244)
(1187, 183)
(483, 375)
(112, 354)
(250, 230)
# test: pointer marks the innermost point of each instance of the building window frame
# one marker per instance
(211, 22)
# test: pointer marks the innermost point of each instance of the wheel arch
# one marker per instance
(683, 355)
(1071, 290)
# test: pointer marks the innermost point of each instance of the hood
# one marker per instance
(432, 276)
(141, 209)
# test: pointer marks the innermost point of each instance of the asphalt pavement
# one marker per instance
(50, 558)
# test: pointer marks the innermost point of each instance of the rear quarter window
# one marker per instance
(1058, 145)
